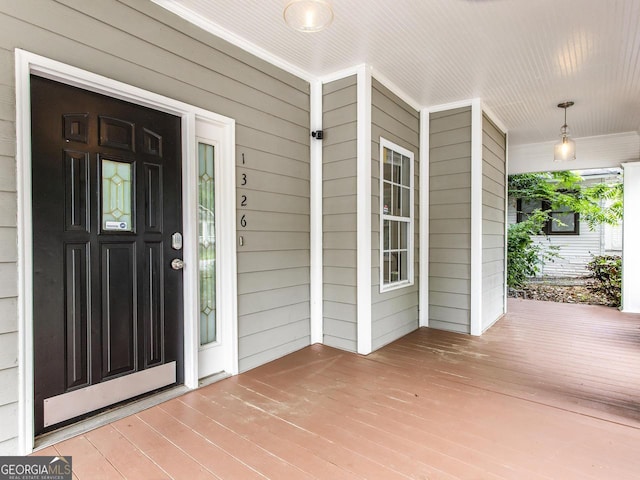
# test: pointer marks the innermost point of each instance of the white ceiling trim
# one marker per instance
(234, 39)
(450, 106)
(340, 74)
(384, 80)
(494, 118)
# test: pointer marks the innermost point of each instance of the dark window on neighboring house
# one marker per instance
(562, 222)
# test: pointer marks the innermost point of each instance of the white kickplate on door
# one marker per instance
(78, 402)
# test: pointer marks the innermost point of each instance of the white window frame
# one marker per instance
(384, 143)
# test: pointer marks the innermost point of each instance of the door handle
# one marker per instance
(177, 264)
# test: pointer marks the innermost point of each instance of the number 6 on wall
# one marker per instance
(243, 221)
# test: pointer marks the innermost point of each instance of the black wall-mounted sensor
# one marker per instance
(317, 134)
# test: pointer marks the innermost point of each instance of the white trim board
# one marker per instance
(215, 29)
(423, 278)
(630, 238)
(364, 330)
(449, 106)
(506, 218)
(315, 194)
(379, 76)
(476, 217)
(494, 118)
(27, 63)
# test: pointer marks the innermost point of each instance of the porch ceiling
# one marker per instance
(550, 392)
(521, 57)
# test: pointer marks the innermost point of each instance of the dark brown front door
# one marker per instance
(106, 179)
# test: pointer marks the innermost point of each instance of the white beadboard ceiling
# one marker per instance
(521, 57)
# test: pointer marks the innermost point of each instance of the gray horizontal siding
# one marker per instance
(493, 222)
(339, 172)
(8, 262)
(141, 44)
(450, 220)
(394, 313)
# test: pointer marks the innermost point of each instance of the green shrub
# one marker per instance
(524, 257)
(607, 269)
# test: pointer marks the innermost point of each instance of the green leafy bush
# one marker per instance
(607, 269)
(524, 257)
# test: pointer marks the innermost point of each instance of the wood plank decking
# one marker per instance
(551, 391)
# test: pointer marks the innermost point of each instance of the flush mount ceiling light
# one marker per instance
(308, 15)
(566, 148)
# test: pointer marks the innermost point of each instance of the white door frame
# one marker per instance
(27, 63)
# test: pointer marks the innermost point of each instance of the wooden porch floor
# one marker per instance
(551, 391)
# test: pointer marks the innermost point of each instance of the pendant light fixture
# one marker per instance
(566, 148)
(308, 15)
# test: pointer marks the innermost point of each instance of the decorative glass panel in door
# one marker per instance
(207, 243)
(117, 193)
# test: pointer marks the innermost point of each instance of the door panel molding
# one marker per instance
(77, 274)
(27, 63)
(119, 301)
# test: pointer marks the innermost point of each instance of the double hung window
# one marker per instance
(396, 216)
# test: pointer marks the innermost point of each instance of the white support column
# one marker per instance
(364, 211)
(316, 280)
(423, 279)
(631, 239)
(476, 217)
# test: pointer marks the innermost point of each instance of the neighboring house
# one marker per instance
(576, 242)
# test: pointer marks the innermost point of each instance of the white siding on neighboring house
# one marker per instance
(612, 239)
(576, 251)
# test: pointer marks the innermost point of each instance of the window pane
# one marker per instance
(395, 235)
(563, 222)
(404, 270)
(386, 198)
(386, 234)
(397, 167)
(395, 274)
(387, 159)
(406, 203)
(404, 234)
(529, 206)
(207, 243)
(386, 278)
(117, 193)
(406, 171)
(396, 203)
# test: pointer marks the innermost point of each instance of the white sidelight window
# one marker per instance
(396, 216)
